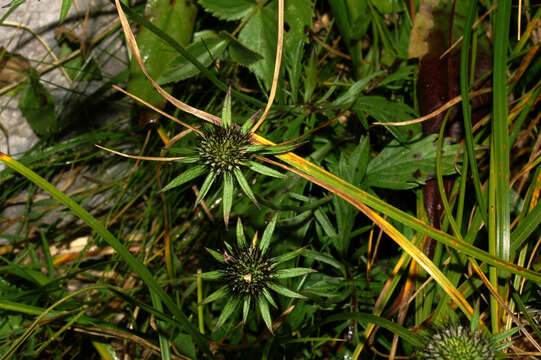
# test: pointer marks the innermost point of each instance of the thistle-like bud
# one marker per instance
(223, 149)
(457, 342)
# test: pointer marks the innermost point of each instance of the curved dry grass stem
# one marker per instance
(152, 158)
(132, 44)
(279, 48)
(442, 109)
(170, 117)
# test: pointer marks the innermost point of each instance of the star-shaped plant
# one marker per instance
(249, 275)
(222, 152)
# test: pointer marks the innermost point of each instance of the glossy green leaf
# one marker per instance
(241, 239)
(259, 35)
(287, 256)
(407, 166)
(211, 275)
(186, 176)
(176, 18)
(226, 111)
(239, 52)
(245, 308)
(269, 298)
(228, 10)
(37, 106)
(219, 257)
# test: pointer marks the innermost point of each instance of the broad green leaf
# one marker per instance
(239, 52)
(264, 170)
(267, 234)
(206, 51)
(407, 166)
(176, 18)
(245, 186)
(298, 18)
(259, 35)
(263, 307)
(37, 106)
(209, 180)
(228, 10)
(293, 272)
(285, 291)
(186, 176)
(384, 111)
(227, 200)
(227, 311)
(218, 294)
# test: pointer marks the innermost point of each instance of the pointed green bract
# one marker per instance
(211, 275)
(285, 291)
(186, 176)
(289, 273)
(228, 196)
(287, 256)
(245, 309)
(267, 235)
(228, 309)
(216, 255)
(218, 294)
(241, 239)
(264, 170)
(226, 112)
(263, 307)
(269, 298)
(209, 180)
(244, 186)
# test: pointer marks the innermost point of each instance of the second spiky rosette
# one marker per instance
(222, 153)
(249, 275)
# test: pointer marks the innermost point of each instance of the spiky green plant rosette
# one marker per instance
(249, 275)
(221, 154)
(457, 342)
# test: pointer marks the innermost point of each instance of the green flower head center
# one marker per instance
(223, 149)
(247, 272)
(457, 342)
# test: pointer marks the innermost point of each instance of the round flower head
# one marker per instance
(222, 152)
(457, 342)
(249, 275)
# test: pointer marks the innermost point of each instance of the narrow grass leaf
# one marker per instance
(285, 291)
(227, 196)
(245, 186)
(66, 4)
(186, 176)
(227, 311)
(209, 180)
(263, 307)
(293, 272)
